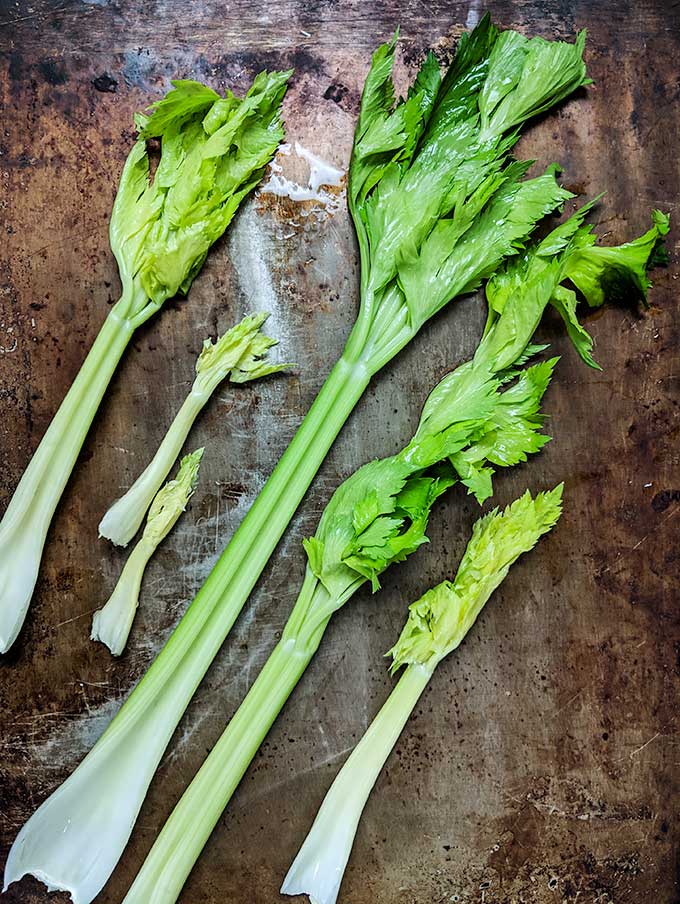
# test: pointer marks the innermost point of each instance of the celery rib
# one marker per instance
(124, 518)
(24, 527)
(240, 354)
(329, 842)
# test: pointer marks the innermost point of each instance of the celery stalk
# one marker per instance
(195, 816)
(28, 516)
(436, 626)
(320, 865)
(240, 353)
(111, 624)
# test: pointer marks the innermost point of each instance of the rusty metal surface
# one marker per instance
(542, 764)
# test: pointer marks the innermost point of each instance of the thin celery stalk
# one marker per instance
(323, 857)
(241, 354)
(135, 503)
(27, 519)
(111, 624)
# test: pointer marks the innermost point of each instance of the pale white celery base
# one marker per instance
(111, 624)
(21, 549)
(25, 524)
(73, 841)
(318, 869)
(124, 518)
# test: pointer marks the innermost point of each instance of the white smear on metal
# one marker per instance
(203, 541)
(320, 172)
(322, 176)
(250, 253)
(71, 737)
(473, 14)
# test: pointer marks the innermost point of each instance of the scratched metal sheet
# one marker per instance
(542, 763)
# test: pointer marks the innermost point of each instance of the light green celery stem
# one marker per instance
(28, 516)
(350, 790)
(111, 624)
(320, 864)
(122, 521)
(181, 841)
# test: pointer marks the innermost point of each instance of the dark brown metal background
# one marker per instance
(542, 764)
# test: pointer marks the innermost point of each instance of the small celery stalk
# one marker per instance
(241, 355)
(111, 624)
(213, 152)
(436, 625)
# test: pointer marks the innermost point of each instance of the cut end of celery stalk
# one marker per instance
(74, 839)
(112, 528)
(319, 867)
(112, 623)
(10, 627)
(109, 631)
(49, 881)
(320, 889)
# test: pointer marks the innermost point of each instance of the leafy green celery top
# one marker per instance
(438, 204)
(213, 152)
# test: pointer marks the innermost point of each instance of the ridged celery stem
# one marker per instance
(318, 869)
(27, 519)
(195, 816)
(135, 740)
(122, 521)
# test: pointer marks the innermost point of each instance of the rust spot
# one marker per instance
(105, 83)
(54, 73)
(335, 92)
(663, 499)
